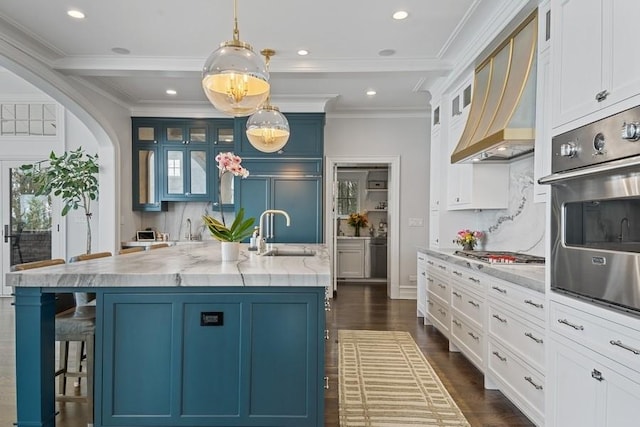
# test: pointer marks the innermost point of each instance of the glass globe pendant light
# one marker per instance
(268, 128)
(234, 78)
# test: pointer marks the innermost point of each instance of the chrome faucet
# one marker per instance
(262, 238)
(622, 222)
(189, 235)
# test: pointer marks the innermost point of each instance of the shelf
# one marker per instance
(376, 189)
(376, 210)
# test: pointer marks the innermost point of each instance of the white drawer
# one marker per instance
(469, 304)
(610, 339)
(521, 380)
(438, 314)
(439, 287)
(521, 300)
(438, 267)
(468, 340)
(522, 337)
(475, 281)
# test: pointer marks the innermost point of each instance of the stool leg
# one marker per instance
(80, 353)
(64, 366)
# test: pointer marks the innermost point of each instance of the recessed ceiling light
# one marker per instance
(387, 52)
(75, 14)
(371, 92)
(171, 92)
(303, 52)
(121, 51)
(502, 149)
(401, 14)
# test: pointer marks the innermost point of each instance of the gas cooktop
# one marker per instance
(500, 257)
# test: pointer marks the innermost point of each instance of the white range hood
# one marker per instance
(502, 116)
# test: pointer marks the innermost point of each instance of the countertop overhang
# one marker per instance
(197, 264)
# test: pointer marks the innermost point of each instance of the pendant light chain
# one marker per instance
(236, 31)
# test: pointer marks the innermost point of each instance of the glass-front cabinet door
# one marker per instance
(189, 132)
(146, 182)
(186, 172)
(146, 131)
(223, 141)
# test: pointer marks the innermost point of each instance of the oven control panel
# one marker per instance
(611, 138)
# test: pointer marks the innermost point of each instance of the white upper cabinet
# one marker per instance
(435, 180)
(594, 60)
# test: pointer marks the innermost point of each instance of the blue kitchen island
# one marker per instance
(184, 339)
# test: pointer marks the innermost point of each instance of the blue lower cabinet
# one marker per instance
(214, 358)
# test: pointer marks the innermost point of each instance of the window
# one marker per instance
(348, 199)
(174, 167)
(27, 119)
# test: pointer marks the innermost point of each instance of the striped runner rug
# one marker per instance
(385, 381)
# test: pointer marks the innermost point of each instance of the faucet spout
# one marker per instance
(189, 235)
(261, 236)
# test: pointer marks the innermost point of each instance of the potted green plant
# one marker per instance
(72, 176)
(230, 237)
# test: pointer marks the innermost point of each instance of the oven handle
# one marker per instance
(601, 168)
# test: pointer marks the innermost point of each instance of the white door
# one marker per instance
(30, 224)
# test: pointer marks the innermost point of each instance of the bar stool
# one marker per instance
(131, 250)
(72, 323)
(159, 245)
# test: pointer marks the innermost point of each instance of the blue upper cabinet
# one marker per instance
(223, 139)
(146, 166)
(186, 132)
(306, 139)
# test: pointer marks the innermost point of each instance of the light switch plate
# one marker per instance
(416, 222)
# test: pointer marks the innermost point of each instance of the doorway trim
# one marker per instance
(393, 261)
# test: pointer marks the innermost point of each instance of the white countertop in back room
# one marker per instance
(354, 237)
(528, 276)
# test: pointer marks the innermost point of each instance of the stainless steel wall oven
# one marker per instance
(595, 212)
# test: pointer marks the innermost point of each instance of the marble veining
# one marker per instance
(197, 264)
(528, 276)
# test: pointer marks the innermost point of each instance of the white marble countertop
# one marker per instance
(354, 237)
(197, 264)
(528, 276)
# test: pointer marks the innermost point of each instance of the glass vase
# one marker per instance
(357, 233)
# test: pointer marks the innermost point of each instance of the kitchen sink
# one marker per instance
(289, 252)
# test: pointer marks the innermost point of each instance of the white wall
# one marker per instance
(407, 137)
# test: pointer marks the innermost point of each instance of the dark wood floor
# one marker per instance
(357, 306)
(363, 306)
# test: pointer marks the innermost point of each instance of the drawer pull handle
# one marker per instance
(500, 318)
(474, 280)
(429, 262)
(441, 311)
(530, 335)
(441, 286)
(601, 96)
(502, 358)
(528, 301)
(458, 324)
(429, 279)
(626, 347)
(457, 273)
(442, 267)
(457, 294)
(326, 383)
(502, 291)
(576, 327)
(430, 302)
(326, 334)
(530, 381)
(472, 335)
(597, 375)
(473, 303)
(424, 273)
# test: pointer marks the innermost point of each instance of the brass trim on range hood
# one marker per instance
(501, 118)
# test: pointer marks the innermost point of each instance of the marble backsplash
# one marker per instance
(174, 221)
(520, 227)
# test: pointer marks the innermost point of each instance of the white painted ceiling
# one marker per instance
(169, 41)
